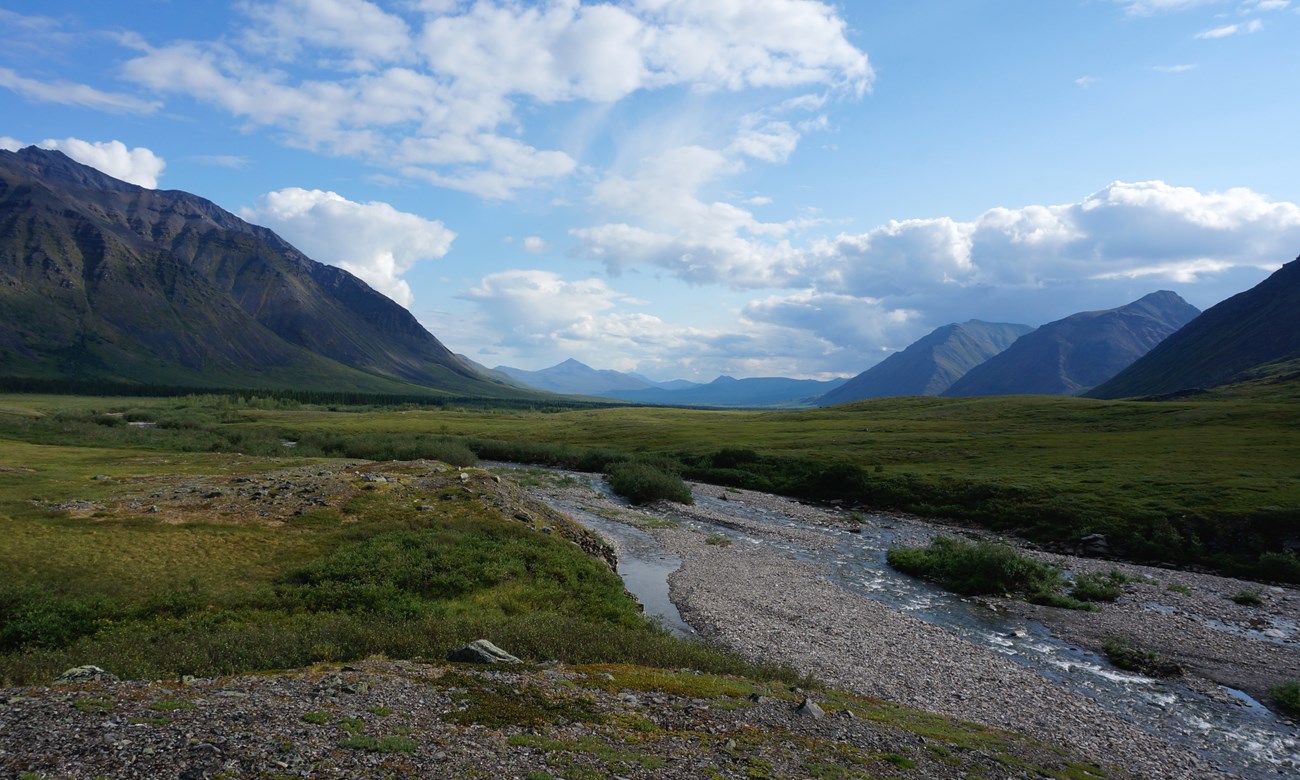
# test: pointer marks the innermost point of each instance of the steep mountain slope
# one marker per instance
(575, 378)
(930, 365)
(1081, 351)
(728, 391)
(100, 279)
(1258, 326)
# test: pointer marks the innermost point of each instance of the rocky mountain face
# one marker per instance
(1248, 330)
(930, 365)
(1071, 355)
(104, 280)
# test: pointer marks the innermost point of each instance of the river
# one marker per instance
(1243, 738)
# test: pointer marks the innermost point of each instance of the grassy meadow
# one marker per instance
(124, 557)
(99, 567)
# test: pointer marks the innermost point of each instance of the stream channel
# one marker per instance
(1244, 739)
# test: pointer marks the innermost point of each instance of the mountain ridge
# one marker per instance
(929, 365)
(102, 279)
(1253, 328)
(574, 377)
(1078, 352)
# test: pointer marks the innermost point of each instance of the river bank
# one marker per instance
(762, 600)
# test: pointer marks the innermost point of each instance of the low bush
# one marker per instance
(642, 483)
(1286, 697)
(1126, 656)
(979, 568)
(1248, 598)
(37, 617)
(1096, 586)
(1278, 567)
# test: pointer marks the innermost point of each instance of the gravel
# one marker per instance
(769, 606)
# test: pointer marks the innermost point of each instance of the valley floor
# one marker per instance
(771, 606)
(384, 718)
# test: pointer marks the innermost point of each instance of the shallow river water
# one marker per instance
(1242, 738)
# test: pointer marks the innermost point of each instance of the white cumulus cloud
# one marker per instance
(535, 244)
(374, 241)
(434, 89)
(137, 166)
(539, 318)
(530, 307)
(1122, 227)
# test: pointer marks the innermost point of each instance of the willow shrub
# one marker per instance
(642, 483)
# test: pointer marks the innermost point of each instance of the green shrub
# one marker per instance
(1095, 586)
(979, 568)
(36, 617)
(461, 564)
(1278, 567)
(642, 483)
(1286, 697)
(1248, 598)
(1125, 656)
(1178, 587)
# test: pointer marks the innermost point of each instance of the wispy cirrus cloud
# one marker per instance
(232, 161)
(1149, 7)
(1228, 30)
(1153, 7)
(71, 94)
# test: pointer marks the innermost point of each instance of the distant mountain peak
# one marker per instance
(931, 364)
(573, 377)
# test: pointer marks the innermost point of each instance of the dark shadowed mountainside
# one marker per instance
(1225, 343)
(930, 365)
(104, 280)
(1083, 350)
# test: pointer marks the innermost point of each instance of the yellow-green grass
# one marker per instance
(130, 557)
(1189, 481)
(148, 594)
(1091, 462)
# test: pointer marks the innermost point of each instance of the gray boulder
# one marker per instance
(481, 651)
(84, 674)
(1094, 545)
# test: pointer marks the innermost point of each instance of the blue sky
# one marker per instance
(693, 187)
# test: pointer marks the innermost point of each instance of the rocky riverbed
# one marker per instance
(770, 605)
